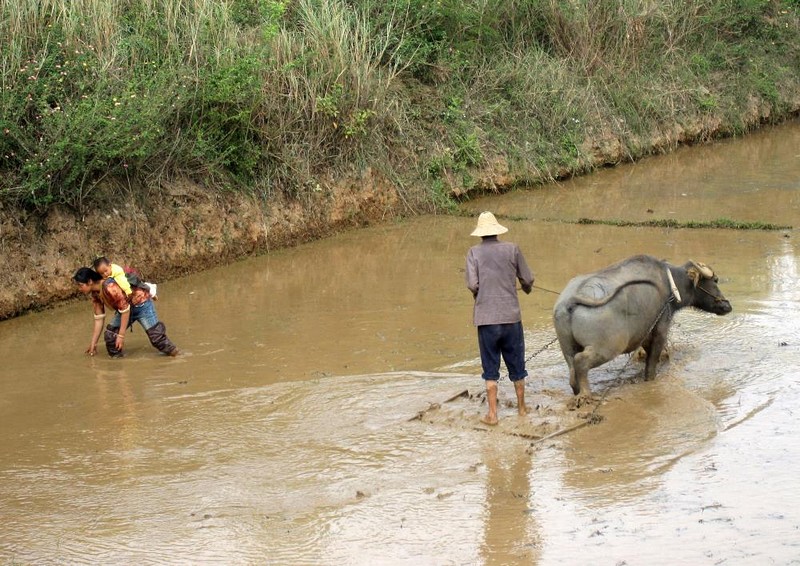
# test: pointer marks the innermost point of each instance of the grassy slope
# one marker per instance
(263, 96)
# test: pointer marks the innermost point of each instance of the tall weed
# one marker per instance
(327, 95)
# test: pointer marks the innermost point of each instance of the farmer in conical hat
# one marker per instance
(493, 268)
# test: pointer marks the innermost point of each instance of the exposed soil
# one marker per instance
(185, 229)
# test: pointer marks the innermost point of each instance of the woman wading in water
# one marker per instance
(136, 307)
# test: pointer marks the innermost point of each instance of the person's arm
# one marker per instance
(472, 274)
(99, 319)
(116, 297)
(524, 273)
(124, 317)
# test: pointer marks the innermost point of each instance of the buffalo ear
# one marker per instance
(694, 275)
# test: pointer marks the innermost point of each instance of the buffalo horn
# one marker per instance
(704, 270)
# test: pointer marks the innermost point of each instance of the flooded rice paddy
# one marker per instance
(315, 418)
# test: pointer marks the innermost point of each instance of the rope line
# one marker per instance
(546, 290)
(542, 349)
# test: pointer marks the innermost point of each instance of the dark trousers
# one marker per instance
(506, 340)
(144, 314)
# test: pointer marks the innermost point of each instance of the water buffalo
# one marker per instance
(626, 305)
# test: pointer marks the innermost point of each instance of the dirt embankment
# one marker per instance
(187, 228)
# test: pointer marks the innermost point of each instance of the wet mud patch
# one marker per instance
(548, 417)
(647, 429)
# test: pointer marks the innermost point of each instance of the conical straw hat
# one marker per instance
(488, 226)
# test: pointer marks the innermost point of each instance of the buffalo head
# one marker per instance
(707, 296)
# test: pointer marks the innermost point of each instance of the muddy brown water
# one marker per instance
(285, 433)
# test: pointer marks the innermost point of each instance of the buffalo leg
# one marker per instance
(653, 350)
(573, 380)
(584, 361)
(568, 349)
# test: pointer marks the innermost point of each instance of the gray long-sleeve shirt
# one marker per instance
(492, 270)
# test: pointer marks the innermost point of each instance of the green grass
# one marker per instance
(270, 96)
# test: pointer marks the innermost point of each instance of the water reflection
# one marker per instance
(783, 272)
(118, 405)
(511, 533)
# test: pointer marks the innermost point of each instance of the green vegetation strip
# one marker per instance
(719, 223)
(726, 223)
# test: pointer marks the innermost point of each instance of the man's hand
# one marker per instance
(527, 288)
(120, 342)
(92, 350)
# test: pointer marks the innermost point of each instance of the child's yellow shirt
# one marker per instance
(119, 276)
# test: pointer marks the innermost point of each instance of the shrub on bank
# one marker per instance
(264, 95)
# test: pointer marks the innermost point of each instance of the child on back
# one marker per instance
(106, 269)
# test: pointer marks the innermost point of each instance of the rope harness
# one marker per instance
(660, 313)
(542, 349)
(717, 298)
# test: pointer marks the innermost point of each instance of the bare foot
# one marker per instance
(523, 410)
(489, 420)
